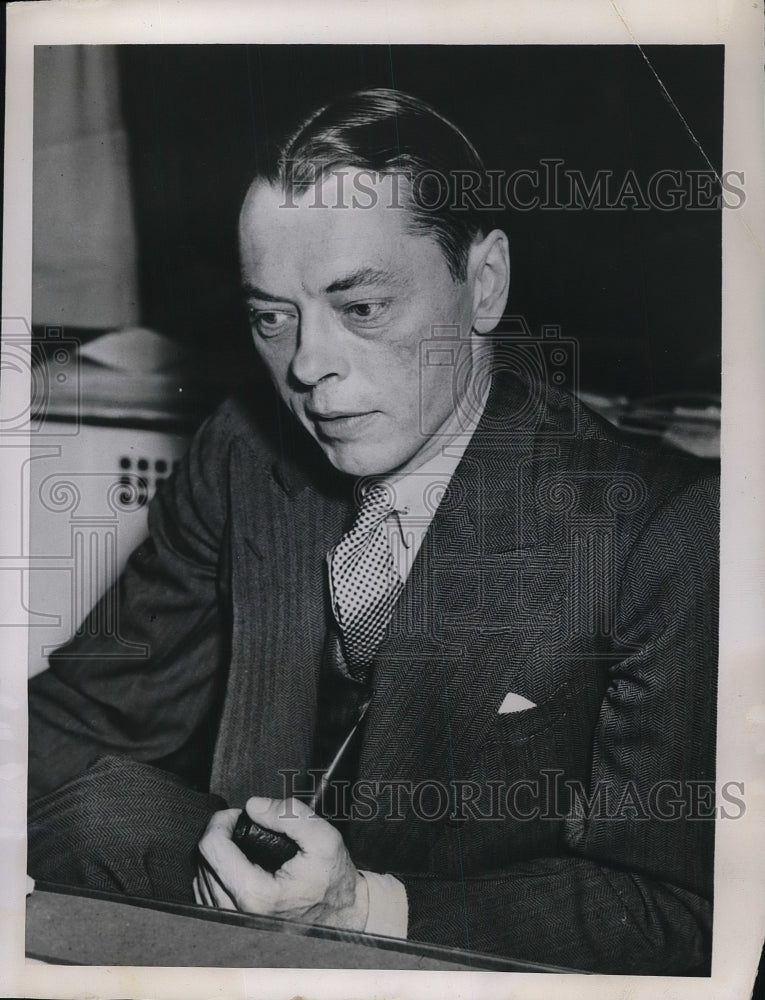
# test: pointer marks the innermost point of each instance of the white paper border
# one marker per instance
(740, 858)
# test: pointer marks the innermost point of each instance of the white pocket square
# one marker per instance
(514, 703)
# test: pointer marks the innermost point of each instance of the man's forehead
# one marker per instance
(346, 198)
(332, 228)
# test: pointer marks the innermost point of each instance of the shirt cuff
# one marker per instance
(388, 906)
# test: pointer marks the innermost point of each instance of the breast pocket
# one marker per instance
(554, 736)
(523, 773)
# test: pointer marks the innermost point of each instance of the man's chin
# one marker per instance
(357, 460)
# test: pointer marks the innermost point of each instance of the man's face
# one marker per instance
(340, 299)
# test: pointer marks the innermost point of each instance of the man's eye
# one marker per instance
(365, 312)
(270, 322)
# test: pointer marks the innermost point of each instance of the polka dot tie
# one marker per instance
(364, 583)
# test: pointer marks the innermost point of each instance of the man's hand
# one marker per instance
(319, 885)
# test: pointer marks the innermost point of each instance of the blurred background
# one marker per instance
(143, 154)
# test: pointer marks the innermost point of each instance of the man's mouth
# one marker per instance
(339, 423)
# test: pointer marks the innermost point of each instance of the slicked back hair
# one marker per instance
(447, 192)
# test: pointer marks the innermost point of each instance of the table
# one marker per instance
(65, 925)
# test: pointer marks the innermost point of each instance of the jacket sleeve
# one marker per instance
(631, 889)
(143, 688)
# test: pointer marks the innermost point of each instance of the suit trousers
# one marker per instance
(121, 827)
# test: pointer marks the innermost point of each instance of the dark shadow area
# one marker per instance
(636, 284)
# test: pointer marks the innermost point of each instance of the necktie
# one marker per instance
(364, 583)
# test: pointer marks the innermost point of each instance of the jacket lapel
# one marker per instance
(439, 675)
(283, 529)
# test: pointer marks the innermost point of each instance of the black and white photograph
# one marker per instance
(368, 483)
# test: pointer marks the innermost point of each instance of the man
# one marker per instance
(496, 612)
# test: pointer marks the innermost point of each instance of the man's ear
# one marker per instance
(489, 266)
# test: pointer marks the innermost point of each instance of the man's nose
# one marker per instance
(318, 354)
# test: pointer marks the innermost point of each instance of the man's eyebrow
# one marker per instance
(364, 276)
(253, 292)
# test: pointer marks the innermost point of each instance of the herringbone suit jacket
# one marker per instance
(566, 564)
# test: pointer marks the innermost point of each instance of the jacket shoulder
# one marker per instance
(237, 420)
(597, 443)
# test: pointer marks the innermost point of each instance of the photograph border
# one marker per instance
(740, 859)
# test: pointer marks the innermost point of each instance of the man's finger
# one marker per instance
(221, 898)
(223, 822)
(220, 893)
(214, 891)
(216, 847)
(295, 819)
(202, 892)
(227, 873)
(204, 887)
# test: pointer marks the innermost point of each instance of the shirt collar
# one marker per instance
(417, 493)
